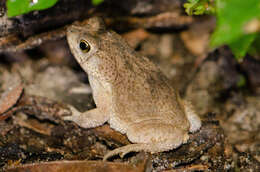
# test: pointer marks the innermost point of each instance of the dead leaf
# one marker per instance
(10, 98)
(34, 124)
(76, 166)
(106, 132)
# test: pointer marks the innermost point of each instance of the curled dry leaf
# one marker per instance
(34, 125)
(10, 98)
(73, 166)
(12, 43)
(106, 132)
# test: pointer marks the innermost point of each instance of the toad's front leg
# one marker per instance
(88, 119)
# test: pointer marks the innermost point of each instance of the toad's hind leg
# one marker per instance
(122, 151)
(146, 147)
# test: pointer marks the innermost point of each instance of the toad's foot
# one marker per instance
(153, 148)
(195, 122)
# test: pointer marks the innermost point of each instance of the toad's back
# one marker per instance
(142, 93)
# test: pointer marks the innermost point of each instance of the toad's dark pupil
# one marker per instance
(84, 46)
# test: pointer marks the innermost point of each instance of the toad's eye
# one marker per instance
(84, 46)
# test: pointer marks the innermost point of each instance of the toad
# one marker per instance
(130, 93)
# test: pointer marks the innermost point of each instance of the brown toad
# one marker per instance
(130, 92)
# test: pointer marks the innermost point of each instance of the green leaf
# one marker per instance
(18, 7)
(190, 5)
(199, 7)
(241, 46)
(232, 17)
(97, 2)
(254, 49)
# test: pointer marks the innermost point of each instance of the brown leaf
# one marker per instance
(35, 125)
(76, 166)
(10, 98)
(106, 132)
(12, 43)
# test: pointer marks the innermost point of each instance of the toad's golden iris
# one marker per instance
(84, 46)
